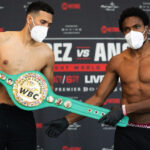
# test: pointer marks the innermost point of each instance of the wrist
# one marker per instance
(124, 110)
(68, 120)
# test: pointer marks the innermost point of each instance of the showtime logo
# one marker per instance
(71, 148)
(1, 29)
(66, 6)
(39, 125)
(104, 29)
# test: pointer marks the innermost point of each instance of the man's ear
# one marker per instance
(29, 19)
(147, 29)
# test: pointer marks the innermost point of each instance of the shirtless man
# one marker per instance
(24, 51)
(133, 68)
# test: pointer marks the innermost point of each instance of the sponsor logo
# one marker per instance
(66, 6)
(107, 127)
(110, 7)
(74, 126)
(71, 29)
(104, 29)
(26, 5)
(71, 148)
(111, 148)
(145, 6)
(39, 147)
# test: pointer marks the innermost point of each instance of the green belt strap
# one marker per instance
(31, 91)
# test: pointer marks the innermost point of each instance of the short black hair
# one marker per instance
(133, 11)
(39, 5)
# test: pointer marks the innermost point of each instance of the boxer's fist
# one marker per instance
(113, 117)
(56, 127)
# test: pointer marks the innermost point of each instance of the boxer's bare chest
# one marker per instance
(135, 70)
(16, 58)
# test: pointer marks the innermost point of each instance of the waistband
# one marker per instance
(7, 107)
(147, 125)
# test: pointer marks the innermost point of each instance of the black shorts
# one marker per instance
(132, 138)
(17, 129)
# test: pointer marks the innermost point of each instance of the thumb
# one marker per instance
(102, 120)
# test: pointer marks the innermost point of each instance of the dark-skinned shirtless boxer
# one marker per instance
(133, 68)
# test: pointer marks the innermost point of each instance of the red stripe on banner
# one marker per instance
(79, 67)
(112, 101)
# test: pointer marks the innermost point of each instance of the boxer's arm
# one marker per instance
(48, 69)
(56, 127)
(4, 36)
(139, 107)
(107, 85)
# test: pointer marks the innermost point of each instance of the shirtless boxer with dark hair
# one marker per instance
(24, 51)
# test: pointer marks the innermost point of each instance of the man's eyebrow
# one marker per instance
(46, 21)
(136, 24)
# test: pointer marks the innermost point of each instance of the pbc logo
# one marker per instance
(105, 29)
(71, 148)
(66, 6)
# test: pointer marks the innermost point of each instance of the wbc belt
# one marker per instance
(30, 90)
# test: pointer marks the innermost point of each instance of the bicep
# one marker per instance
(104, 89)
(48, 70)
(108, 83)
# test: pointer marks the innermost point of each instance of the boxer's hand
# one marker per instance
(113, 117)
(56, 127)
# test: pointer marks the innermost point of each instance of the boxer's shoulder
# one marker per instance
(121, 56)
(5, 36)
(45, 48)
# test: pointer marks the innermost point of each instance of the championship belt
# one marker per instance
(30, 90)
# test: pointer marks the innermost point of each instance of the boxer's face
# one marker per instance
(41, 18)
(133, 23)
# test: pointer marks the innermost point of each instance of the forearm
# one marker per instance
(140, 107)
(94, 100)
(71, 118)
(104, 89)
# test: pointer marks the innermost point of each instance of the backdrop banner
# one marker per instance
(84, 36)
